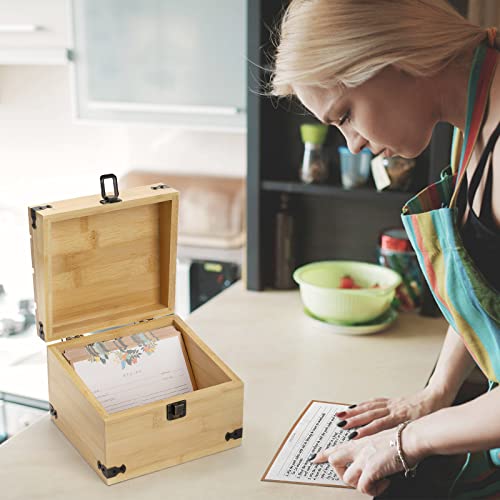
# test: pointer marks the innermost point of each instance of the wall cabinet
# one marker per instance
(161, 61)
(34, 31)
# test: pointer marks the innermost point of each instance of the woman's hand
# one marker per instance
(366, 463)
(380, 414)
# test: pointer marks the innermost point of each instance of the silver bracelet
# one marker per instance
(409, 471)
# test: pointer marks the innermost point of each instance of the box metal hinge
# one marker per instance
(34, 211)
(53, 411)
(147, 320)
(110, 472)
(71, 338)
(41, 333)
(236, 434)
(143, 321)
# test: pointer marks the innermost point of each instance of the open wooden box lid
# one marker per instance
(104, 261)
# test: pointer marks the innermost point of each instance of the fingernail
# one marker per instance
(341, 414)
(352, 406)
(312, 456)
(352, 435)
(342, 423)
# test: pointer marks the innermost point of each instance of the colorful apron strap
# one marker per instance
(485, 60)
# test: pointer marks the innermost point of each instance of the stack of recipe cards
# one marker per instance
(134, 370)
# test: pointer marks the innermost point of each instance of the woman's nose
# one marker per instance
(355, 143)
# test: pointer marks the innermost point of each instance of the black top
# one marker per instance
(480, 234)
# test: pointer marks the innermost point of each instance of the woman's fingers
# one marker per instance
(361, 467)
(338, 455)
(320, 458)
(350, 475)
(381, 424)
(363, 418)
(363, 407)
(370, 482)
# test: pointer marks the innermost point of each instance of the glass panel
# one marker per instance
(154, 54)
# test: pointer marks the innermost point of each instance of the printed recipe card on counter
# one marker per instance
(316, 429)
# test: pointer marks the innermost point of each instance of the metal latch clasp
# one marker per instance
(176, 410)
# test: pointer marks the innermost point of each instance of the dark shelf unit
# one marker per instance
(331, 222)
(365, 193)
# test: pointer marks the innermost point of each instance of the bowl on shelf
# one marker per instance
(322, 296)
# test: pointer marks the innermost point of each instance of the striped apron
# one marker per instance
(469, 303)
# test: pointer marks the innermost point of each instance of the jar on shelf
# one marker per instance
(314, 167)
(395, 252)
(393, 173)
(354, 168)
(400, 171)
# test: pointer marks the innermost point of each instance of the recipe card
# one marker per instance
(315, 430)
(140, 369)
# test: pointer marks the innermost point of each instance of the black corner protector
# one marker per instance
(53, 411)
(34, 210)
(41, 333)
(160, 186)
(236, 434)
(110, 472)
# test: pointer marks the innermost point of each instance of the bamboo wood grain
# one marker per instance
(99, 265)
(91, 205)
(104, 266)
(148, 441)
(207, 368)
(40, 268)
(141, 437)
(168, 216)
(37, 263)
(199, 351)
(122, 315)
(79, 415)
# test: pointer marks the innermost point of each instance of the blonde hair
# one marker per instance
(344, 43)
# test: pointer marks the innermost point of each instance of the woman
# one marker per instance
(385, 72)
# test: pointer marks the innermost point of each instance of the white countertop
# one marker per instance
(285, 359)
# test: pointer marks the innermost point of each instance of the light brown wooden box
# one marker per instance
(103, 265)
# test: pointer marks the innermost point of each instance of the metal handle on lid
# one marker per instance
(105, 197)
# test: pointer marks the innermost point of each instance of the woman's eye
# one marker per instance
(344, 118)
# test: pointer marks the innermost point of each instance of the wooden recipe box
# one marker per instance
(101, 262)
